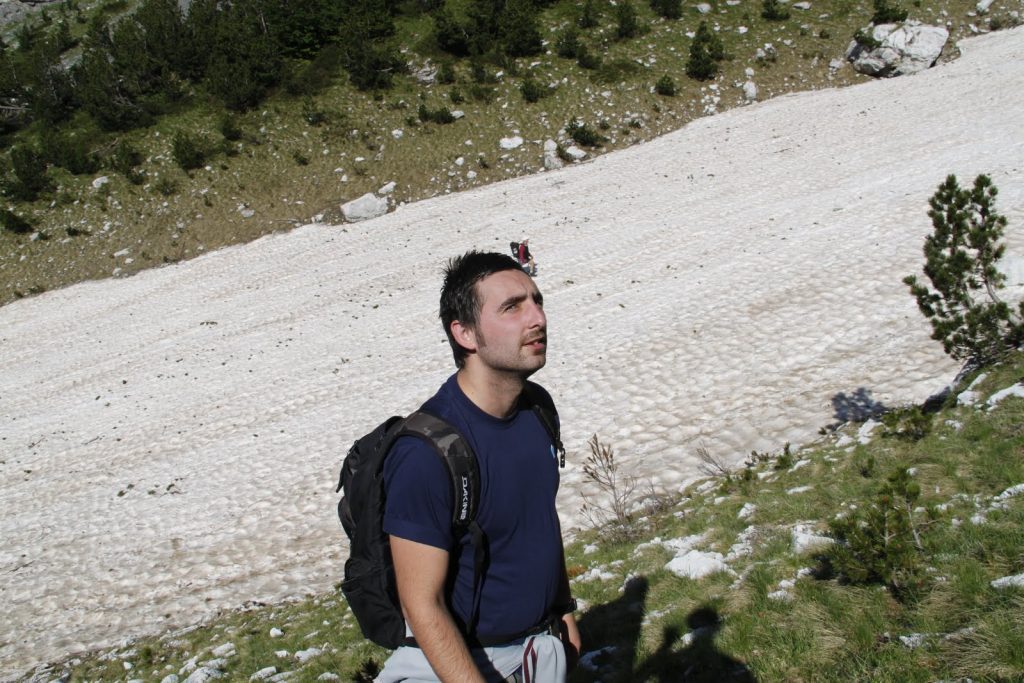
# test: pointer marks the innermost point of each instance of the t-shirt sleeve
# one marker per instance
(419, 502)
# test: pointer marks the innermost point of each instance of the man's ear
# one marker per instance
(464, 335)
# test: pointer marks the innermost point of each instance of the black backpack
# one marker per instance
(369, 582)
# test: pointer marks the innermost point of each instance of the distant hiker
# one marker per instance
(503, 608)
(521, 251)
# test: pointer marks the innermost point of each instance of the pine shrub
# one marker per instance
(773, 10)
(124, 160)
(583, 134)
(706, 51)
(886, 13)
(962, 304)
(665, 86)
(13, 223)
(590, 16)
(670, 9)
(880, 542)
(567, 44)
(532, 91)
(189, 150)
(30, 177)
(627, 24)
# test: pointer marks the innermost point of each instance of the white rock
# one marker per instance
(746, 511)
(510, 143)
(575, 153)
(802, 5)
(275, 632)
(366, 207)
(1011, 492)
(982, 6)
(750, 91)
(703, 8)
(1015, 581)
(471, 174)
(967, 398)
(1013, 390)
(695, 564)
(913, 641)
(904, 49)
(397, 133)
(305, 655)
(387, 189)
(225, 650)
(458, 114)
(100, 182)
(804, 539)
(263, 674)
(170, 678)
(864, 433)
(203, 674)
(460, 161)
(799, 489)
(328, 676)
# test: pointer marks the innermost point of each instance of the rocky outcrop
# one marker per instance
(897, 49)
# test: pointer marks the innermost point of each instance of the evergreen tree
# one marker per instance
(773, 10)
(627, 24)
(964, 308)
(245, 62)
(705, 51)
(518, 29)
(371, 56)
(590, 16)
(670, 9)
(29, 168)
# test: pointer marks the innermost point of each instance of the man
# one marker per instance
(526, 258)
(483, 630)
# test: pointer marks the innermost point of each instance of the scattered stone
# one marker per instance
(913, 641)
(750, 91)
(364, 208)
(387, 189)
(170, 678)
(864, 433)
(100, 182)
(982, 6)
(398, 133)
(328, 676)
(263, 674)
(802, 6)
(704, 8)
(304, 656)
(510, 143)
(746, 511)
(275, 632)
(798, 489)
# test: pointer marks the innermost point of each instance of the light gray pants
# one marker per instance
(536, 659)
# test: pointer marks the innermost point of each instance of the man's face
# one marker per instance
(511, 328)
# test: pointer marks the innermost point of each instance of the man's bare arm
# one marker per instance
(420, 572)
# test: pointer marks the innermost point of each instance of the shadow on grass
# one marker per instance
(699, 661)
(611, 635)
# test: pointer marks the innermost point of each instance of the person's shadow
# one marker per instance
(700, 661)
(610, 631)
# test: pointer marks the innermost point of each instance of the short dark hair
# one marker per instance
(459, 300)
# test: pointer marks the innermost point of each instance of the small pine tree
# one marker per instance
(665, 86)
(531, 90)
(886, 13)
(879, 543)
(773, 10)
(567, 44)
(189, 151)
(705, 51)
(964, 309)
(670, 9)
(627, 23)
(590, 17)
(30, 178)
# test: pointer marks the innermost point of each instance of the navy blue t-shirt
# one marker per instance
(519, 480)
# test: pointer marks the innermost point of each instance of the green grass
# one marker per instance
(827, 629)
(288, 172)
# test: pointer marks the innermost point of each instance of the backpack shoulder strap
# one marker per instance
(539, 401)
(459, 458)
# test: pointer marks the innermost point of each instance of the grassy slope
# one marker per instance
(641, 622)
(288, 172)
